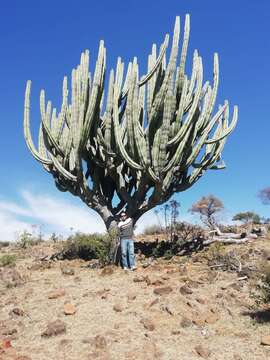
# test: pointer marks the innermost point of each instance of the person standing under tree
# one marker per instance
(126, 241)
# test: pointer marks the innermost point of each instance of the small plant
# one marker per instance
(7, 259)
(54, 238)
(26, 239)
(265, 282)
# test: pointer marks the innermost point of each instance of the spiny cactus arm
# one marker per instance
(204, 136)
(27, 132)
(46, 120)
(42, 149)
(167, 115)
(199, 78)
(129, 111)
(117, 133)
(62, 118)
(147, 77)
(184, 52)
(61, 169)
(108, 112)
(96, 93)
(228, 130)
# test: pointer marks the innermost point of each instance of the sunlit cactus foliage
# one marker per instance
(136, 144)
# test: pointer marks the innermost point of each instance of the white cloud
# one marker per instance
(55, 216)
(10, 227)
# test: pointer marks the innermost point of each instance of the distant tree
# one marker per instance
(264, 195)
(207, 207)
(175, 205)
(247, 216)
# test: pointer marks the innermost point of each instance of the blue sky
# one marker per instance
(42, 41)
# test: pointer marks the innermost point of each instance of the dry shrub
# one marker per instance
(7, 259)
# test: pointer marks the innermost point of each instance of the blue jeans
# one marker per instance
(127, 252)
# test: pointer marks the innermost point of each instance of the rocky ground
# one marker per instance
(183, 308)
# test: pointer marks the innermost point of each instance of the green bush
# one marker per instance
(89, 246)
(7, 259)
(4, 244)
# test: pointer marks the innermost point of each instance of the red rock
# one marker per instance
(17, 311)
(201, 300)
(148, 324)
(57, 293)
(202, 351)
(108, 270)
(211, 318)
(185, 322)
(265, 340)
(100, 342)
(118, 308)
(185, 290)
(165, 290)
(140, 278)
(69, 309)
(6, 344)
(54, 328)
(131, 296)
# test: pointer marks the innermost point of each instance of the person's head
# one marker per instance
(123, 216)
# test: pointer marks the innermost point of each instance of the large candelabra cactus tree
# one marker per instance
(143, 140)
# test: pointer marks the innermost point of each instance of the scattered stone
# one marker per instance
(201, 300)
(198, 320)
(131, 296)
(192, 284)
(176, 332)
(237, 357)
(64, 343)
(202, 351)
(185, 290)
(154, 302)
(9, 331)
(54, 328)
(5, 344)
(108, 270)
(55, 294)
(156, 282)
(118, 308)
(139, 278)
(168, 309)
(165, 290)
(67, 270)
(148, 324)
(211, 318)
(69, 309)
(16, 311)
(265, 340)
(100, 342)
(185, 322)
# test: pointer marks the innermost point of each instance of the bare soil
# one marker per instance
(168, 309)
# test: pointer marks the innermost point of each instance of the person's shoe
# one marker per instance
(133, 268)
(125, 269)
